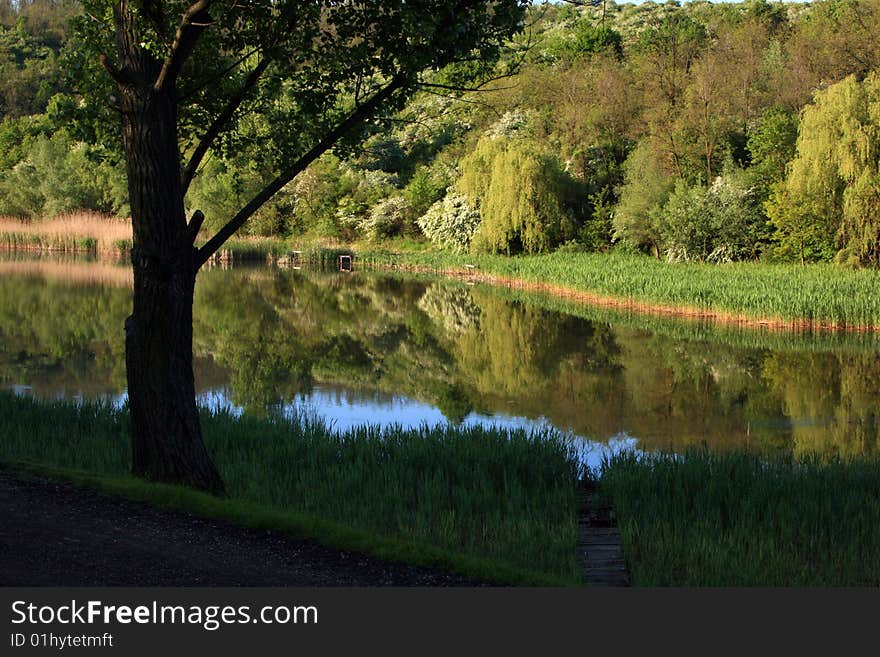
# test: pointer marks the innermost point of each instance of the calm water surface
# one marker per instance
(380, 348)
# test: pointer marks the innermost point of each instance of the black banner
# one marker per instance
(265, 621)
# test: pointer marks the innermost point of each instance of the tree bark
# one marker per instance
(166, 433)
(167, 443)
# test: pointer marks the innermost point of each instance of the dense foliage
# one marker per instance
(691, 132)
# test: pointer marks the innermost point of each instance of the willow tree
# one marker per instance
(830, 199)
(524, 197)
(187, 78)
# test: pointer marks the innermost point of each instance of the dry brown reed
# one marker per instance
(79, 231)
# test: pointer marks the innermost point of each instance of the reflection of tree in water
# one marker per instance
(452, 308)
(516, 357)
(56, 335)
(694, 392)
(453, 401)
(833, 400)
(276, 331)
(459, 348)
(518, 349)
(242, 327)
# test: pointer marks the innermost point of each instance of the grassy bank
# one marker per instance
(488, 503)
(818, 296)
(813, 296)
(737, 520)
(782, 295)
(729, 335)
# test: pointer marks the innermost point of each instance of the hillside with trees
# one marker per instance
(693, 132)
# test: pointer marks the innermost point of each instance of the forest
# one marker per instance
(688, 132)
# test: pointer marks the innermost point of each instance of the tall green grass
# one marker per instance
(508, 497)
(729, 335)
(706, 519)
(816, 293)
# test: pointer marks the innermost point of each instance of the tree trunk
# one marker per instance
(166, 434)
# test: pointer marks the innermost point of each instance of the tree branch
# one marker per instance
(194, 226)
(112, 70)
(360, 114)
(194, 20)
(222, 119)
(219, 75)
(235, 101)
(479, 87)
(469, 101)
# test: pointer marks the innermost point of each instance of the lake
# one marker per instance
(386, 348)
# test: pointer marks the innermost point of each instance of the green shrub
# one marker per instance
(60, 175)
(723, 223)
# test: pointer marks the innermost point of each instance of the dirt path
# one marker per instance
(55, 534)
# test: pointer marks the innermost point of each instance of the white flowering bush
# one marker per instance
(385, 219)
(450, 222)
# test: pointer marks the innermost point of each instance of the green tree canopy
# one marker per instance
(524, 197)
(830, 200)
(278, 83)
(646, 188)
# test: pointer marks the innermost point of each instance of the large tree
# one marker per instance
(830, 199)
(295, 77)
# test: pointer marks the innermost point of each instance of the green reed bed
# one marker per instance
(507, 497)
(323, 256)
(690, 329)
(701, 330)
(738, 519)
(816, 293)
(250, 249)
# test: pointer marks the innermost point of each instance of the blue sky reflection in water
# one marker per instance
(347, 409)
(344, 409)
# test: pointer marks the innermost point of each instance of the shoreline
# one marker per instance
(272, 253)
(727, 318)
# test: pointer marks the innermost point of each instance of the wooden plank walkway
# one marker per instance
(599, 551)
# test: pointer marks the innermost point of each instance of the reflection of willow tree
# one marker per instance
(690, 393)
(56, 334)
(451, 308)
(526, 360)
(517, 350)
(833, 399)
(452, 311)
(409, 351)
